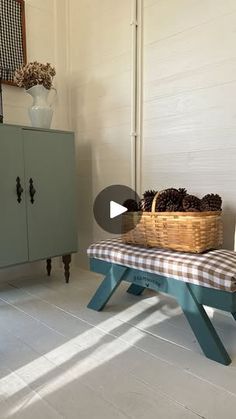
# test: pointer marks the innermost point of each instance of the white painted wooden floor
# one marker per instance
(136, 359)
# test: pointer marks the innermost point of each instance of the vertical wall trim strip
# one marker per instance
(139, 97)
(133, 115)
(136, 95)
(68, 65)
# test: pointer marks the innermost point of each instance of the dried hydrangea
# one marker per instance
(34, 73)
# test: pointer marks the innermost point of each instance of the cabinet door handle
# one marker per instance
(19, 189)
(32, 190)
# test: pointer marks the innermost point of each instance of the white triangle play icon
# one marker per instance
(116, 209)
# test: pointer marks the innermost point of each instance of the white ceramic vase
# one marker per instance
(41, 111)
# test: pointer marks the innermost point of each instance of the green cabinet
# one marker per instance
(38, 194)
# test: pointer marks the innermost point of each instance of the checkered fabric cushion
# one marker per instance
(11, 38)
(215, 269)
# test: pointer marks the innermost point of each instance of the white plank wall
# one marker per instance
(189, 99)
(100, 96)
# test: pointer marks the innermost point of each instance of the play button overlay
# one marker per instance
(116, 209)
(111, 205)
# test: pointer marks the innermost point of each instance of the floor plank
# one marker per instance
(136, 358)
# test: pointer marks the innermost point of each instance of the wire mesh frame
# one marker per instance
(12, 38)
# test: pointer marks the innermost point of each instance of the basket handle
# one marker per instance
(155, 201)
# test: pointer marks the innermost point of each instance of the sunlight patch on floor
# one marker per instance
(88, 340)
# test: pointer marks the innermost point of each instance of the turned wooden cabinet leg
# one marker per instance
(49, 266)
(67, 260)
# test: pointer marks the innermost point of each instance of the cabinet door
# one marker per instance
(50, 163)
(13, 227)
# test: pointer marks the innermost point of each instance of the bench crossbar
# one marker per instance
(189, 296)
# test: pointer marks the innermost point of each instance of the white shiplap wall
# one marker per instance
(100, 98)
(189, 99)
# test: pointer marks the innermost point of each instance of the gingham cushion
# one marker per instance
(216, 269)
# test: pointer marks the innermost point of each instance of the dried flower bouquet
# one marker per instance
(35, 73)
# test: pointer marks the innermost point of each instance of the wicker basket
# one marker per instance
(193, 232)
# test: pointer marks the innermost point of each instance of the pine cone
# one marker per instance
(191, 203)
(149, 193)
(168, 197)
(146, 204)
(161, 204)
(211, 202)
(183, 192)
(131, 205)
(172, 207)
(172, 194)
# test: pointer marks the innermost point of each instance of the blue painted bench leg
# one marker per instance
(135, 289)
(107, 287)
(202, 327)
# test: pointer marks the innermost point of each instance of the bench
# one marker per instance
(194, 280)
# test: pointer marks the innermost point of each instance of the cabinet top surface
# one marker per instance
(34, 128)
